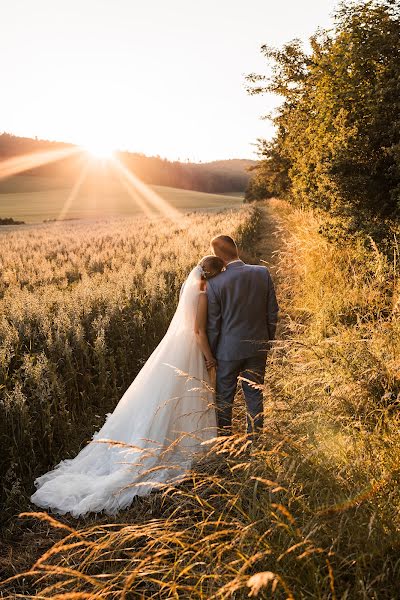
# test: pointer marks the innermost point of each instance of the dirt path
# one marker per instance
(270, 239)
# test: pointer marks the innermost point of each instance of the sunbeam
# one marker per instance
(149, 195)
(147, 200)
(99, 150)
(74, 191)
(136, 196)
(25, 162)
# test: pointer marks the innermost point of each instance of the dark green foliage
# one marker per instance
(270, 175)
(10, 221)
(217, 176)
(338, 127)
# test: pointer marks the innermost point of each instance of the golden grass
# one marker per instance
(311, 510)
(82, 305)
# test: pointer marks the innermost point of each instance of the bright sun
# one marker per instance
(99, 149)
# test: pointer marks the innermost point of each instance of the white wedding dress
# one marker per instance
(157, 428)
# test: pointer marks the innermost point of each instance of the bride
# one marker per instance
(158, 425)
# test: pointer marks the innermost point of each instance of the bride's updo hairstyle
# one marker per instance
(211, 266)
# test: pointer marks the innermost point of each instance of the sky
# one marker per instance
(161, 77)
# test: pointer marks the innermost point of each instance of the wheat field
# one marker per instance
(312, 510)
(81, 308)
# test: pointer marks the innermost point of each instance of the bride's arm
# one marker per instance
(200, 329)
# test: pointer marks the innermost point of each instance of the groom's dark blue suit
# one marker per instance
(242, 318)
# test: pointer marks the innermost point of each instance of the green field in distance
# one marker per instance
(35, 199)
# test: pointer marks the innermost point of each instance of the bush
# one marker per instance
(337, 129)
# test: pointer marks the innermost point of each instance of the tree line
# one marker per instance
(221, 176)
(337, 141)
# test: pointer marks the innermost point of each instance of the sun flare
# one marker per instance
(99, 149)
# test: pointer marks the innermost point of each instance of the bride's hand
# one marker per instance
(211, 362)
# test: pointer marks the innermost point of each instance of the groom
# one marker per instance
(242, 318)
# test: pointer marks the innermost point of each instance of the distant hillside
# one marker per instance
(34, 199)
(222, 176)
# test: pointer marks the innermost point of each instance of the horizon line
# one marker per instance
(137, 152)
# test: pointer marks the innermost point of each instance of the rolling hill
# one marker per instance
(35, 199)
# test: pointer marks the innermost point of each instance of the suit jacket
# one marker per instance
(242, 311)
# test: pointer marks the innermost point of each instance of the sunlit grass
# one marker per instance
(81, 307)
(98, 198)
(310, 511)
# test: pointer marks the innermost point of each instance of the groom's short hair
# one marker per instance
(224, 246)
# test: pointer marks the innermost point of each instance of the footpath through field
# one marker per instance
(270, 237)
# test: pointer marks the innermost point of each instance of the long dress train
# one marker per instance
(154, 433)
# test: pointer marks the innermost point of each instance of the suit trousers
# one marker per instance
(228, 371)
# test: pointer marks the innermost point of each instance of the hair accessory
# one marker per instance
(202, 271)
